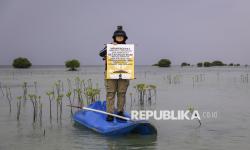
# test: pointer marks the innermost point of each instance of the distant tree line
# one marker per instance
(167, 63)
(210, 64)
(22, 62)
(215, 63)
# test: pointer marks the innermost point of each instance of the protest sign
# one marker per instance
(120, 61)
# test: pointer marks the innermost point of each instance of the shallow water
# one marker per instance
(222, 90)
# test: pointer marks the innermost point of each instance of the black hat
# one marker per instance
(120, 32)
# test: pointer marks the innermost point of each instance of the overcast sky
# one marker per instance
(48, 32)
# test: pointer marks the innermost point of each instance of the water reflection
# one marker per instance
(130, 141)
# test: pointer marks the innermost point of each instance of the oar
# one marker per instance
(102, 112)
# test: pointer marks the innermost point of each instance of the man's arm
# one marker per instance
(103, 52)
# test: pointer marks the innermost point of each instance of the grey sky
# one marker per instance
(52, 31)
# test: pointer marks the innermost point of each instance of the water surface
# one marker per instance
(222, 90)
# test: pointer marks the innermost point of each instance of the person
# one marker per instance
(115, 86)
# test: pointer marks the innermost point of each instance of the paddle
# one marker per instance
(102, 112)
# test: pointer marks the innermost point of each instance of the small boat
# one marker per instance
(97, 121)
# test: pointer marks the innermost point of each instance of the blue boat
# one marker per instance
(97, 122)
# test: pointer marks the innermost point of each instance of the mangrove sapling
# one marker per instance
(1, 88)
(191, 110)
(92, 94)
(169, 79)
(50, 103)
(70, 102)
(90, 83)
(77, 82)
(18, 106)
(150, 94)
(69, 84)
(193, 81)
(59, 96)
(175, 79)
(244, 78)
(141, 88)
(13, 75)
(53, 94)
(84, 87)
(58, 87)
(150, 89)
(8, 96)
(82, 84)
(33, 99)
(35, 85)
(59, 104)
(25, 90)
(74, 95)
(40, 110)
(57, 107)
(79, 96)
(62, 87)
(201, 77)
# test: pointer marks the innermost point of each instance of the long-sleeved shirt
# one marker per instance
(103, 54)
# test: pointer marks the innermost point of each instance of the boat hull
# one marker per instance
(97, 122)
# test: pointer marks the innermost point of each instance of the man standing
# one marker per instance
(115, 86)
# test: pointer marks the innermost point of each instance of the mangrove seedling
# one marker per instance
(69, 84)
(40, 110)
(169, 78)
(92, 94)
(141, 90)
(90, 83)
(191, 110)
(50, 103)
(8, 96)
(25, 90)
(59, 104)
(79, 96)
(58, 87)
(1, 88)
(77, 82)
(70, 102)
(18, 106)
(151, 87)
(35, 85)
(33, 99)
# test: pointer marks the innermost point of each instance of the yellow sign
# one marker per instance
(120, 61)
